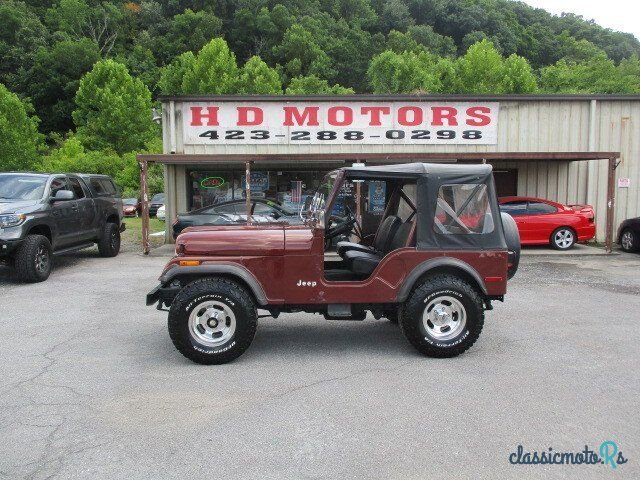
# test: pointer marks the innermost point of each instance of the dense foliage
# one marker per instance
(85, 71)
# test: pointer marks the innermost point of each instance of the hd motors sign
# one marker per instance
(330, 123)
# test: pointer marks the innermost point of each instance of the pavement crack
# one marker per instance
(339, 378)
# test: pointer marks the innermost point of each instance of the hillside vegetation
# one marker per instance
(78, 77)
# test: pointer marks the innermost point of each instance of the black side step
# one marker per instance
(74, 248)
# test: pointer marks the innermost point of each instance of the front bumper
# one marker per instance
(8, 246)
(162, 295)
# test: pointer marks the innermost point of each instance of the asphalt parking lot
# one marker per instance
(93, 388)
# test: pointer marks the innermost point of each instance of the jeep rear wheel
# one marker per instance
(212, 321)
(443, 316)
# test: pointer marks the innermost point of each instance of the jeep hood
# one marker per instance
(232, 240)
(20, 206)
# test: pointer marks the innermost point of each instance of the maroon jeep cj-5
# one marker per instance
(439, 256)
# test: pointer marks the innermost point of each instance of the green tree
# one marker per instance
(256, 77)
(302, 55)
(21, 35)
(113, 109)
(20, 141)
(53, 80)
(396, 16)
(172, 75)
(435, 43)
(483, 70)
(409, 72)
(312, 85)
(70, 155)
(597, 75)
(214, 70)
(185, 32)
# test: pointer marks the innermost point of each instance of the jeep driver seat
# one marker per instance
(381, 241)
(364, 263)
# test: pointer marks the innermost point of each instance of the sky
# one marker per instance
(622, 15)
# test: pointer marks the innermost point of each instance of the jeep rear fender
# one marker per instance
(448, 264)
(229, 270)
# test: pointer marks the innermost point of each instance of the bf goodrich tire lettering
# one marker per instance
(443, 316)
(212, 321)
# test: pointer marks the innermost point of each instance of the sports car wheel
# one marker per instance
(563, 238)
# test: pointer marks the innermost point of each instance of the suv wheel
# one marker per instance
(109, 243)
(443, 316)
(33, 260)
(628, 241)
(212, 321)
(563, 238)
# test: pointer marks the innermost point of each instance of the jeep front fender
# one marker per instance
(232, 270)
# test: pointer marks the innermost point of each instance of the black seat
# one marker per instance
(381, 242)
(364, 263)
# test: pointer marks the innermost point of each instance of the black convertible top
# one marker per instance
(430, 178)
(415, 170)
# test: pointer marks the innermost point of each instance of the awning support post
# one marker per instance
(144, 193)
(247, 189)
(611, 203)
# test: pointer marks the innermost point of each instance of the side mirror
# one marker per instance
(63, 195)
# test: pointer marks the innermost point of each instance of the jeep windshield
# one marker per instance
(314, 205)
(16, 187)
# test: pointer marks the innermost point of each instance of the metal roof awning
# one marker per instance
(186, 158)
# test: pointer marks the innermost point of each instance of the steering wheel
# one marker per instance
(343, 225)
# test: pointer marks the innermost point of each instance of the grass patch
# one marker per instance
(132, 236)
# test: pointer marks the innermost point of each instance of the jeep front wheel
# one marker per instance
(443, 316)
(212, 321)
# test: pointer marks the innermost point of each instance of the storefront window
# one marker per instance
(288, 188)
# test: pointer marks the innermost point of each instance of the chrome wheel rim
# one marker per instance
(212, 323)
(563, 238)
(627, 240)
(42, 259)
(444, 318)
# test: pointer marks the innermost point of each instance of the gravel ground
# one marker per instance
(93, 388)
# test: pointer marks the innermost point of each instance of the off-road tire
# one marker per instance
(633, 244)
(109, 242)
(432, 288)
(552, 239)
(33, 260)
(192, 297)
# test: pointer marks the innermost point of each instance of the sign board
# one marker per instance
(340, 123)
(377, 196)
(259, 181)
(624, 182)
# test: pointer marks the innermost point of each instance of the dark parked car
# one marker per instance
(156, 202)
(42, 215)
(629, 235)
(235, 211)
